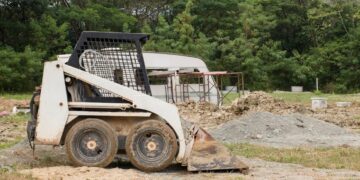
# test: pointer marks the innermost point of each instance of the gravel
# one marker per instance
(284, 131)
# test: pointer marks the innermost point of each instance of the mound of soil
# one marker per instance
(207, 115)
(204, 114)
(344, 117)
(284, 131)
(259, 101)
(8, 104)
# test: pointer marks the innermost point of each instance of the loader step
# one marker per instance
(90, 105)
(102, 113)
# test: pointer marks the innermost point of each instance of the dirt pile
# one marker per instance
(259, 101)
(284, 131)
(344, 117)
(8, 104)
(204, 114)
(208, 115)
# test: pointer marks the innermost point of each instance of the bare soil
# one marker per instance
(209, 116)
(204, 114)
(8, 104)
(11, 131)
(259, 169)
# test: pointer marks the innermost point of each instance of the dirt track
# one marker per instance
(259, 170)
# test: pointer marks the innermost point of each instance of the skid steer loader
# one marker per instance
(98, 103)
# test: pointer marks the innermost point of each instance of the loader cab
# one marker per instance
(163, 71)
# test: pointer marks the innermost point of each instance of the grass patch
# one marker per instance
(8, 144)
(17, 96)
(18, 118)
(330, 158)
(15, 175)
(13, 129)
(230, 97)
(10, 172)
(305, 97)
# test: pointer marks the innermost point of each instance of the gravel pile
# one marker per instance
(284, 131)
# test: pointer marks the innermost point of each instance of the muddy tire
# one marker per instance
(151, 146)
(91, 142)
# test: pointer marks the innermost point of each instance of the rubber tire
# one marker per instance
(160, 128)
(84, 125)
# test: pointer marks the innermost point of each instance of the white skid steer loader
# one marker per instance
(98, 103)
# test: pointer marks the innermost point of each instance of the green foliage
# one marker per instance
(276, 43)
(48, 37)
(94, 17)
(180, 37)
(19, 71)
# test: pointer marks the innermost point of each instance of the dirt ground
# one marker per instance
(51, 163)
(11, 131)
(8, 104)
(259, 170)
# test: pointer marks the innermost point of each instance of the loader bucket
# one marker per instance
(209, 155)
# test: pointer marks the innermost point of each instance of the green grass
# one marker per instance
(11, 172)
(16, 124)
(17, 96)
(19, 118)
(8, 144)
(330, 158)
(305, 97)
(230, 97)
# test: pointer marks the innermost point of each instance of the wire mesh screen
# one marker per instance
(113, 56)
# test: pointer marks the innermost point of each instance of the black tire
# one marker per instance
(91, 142)
(151, 146)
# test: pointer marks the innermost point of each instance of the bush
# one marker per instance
(20, 71)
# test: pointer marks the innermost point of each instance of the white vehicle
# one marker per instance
(98, 100)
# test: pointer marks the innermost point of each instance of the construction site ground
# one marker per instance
(278, 135)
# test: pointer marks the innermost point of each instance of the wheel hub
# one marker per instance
(91, 144)
(151, 146)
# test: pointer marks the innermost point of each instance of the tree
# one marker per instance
(180, 37)
(48, 37)
(19, 71)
